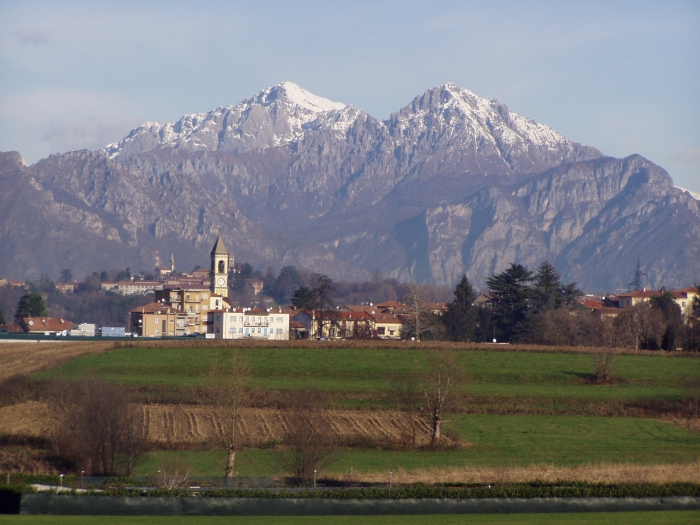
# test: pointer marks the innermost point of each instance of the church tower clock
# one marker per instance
(219, 268)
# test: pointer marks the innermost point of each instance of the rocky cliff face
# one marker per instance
(452, 183)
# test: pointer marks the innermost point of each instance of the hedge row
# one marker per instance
(524, 490)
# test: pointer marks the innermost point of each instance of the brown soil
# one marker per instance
(27, 358)
(182, 425)
(602, 473)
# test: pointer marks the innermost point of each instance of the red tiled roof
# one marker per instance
(45, 324)
(640, 294)
(390, 304)
(154, 308)
(13, 328)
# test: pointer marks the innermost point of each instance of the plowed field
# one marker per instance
(179, 424)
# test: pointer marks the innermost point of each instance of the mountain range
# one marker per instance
(450, 184)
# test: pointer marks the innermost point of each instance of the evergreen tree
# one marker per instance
(461, 316)
(512, 310)
(304, 299)
(66, 275)
(30, 305)
(2, 318)
(549, 293)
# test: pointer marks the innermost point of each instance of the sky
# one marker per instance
(622, 76)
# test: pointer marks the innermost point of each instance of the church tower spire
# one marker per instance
(219, 268)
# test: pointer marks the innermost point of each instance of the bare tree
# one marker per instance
(96, 425)
(416, 321)
(173, 472)
(604, 365)
(641, 327)
(437, 384)
(227, 392)
(408, 401)
(309, 441)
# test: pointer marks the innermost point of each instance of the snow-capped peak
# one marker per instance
(307, 99)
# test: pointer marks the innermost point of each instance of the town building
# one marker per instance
(131, 287)
(45, 325)
(245, 323)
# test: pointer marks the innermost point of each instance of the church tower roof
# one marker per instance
(219, 247)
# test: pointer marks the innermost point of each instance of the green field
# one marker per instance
(496, 441)
(363, 374)
(617, 518)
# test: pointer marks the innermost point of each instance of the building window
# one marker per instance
(157, 332)
(157, 320)
(279, 331)
(279, 319)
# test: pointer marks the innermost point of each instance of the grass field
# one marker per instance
(496, 441)
(362, 375)
(617, 518)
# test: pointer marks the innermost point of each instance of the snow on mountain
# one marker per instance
(273, 117)
(472, 133)
(308, 100)
(694, 195)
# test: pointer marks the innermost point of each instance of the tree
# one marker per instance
(66, 275)
(666, 304)
(304, 299)
(30, 305)
(308, 439)
(96, 425)
(417, 323)
(437, 384)
(641, 327)
(287, 282)
(511, 306)
(408, 401)
(2, 318)
(226, 392)
(548, 293)
(323, 289)
(461, 317)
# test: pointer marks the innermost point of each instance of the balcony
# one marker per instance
(256, 323)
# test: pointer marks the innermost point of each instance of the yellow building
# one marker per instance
(155, 320)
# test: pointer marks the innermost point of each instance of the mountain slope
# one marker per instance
(451, 183)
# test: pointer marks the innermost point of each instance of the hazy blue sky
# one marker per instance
(621, 76)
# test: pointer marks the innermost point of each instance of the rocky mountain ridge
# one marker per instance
(451, 183)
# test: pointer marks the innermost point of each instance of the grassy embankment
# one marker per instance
(514, 385)
(505, 382)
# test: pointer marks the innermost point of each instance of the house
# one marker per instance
(598, 306)
(385, 324)
(132, 287)
(66, 287)
(45, 325)
(335, 324)
(246, 323)
(156, 320)
(256, 285)
(685, 298)
(485, 300)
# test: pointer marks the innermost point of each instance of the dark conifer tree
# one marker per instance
(512, 310)
(30, 305)
(461, 317)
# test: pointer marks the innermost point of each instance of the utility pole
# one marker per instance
(636, 284)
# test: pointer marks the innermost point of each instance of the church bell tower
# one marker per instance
(219, 268)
